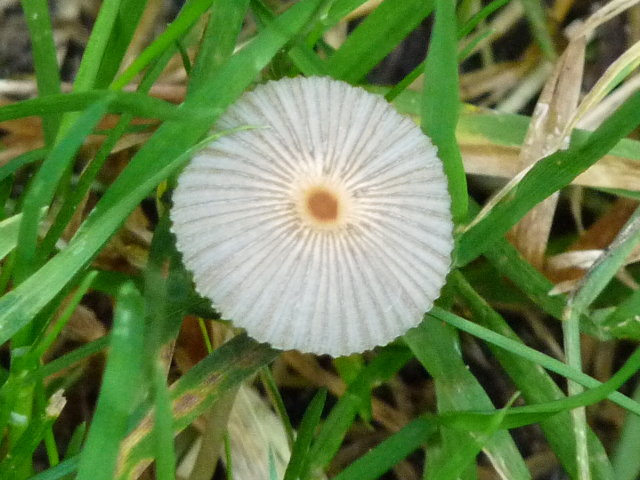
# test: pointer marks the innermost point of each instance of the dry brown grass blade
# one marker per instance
(546, 134)
(604, 14)
(254, 430)
(495, 79)
(18, 137)
(567, 268)
(202, 465)
(365, 9)
(611, 171)
(151, 16)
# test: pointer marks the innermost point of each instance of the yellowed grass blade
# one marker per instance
(547, 134)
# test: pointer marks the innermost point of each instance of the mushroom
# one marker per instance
(329, 231)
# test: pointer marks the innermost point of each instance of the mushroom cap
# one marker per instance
(329, 231)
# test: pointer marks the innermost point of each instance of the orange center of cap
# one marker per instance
(322, 205)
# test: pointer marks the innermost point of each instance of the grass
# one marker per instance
(72, 235)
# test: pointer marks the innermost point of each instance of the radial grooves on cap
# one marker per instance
(371, 265)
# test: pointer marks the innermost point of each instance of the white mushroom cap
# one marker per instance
(329, 231)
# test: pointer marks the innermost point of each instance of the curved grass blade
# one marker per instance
(625, 458)
(335, 427)
(441, 103)
(120, 388)
(45, 61)
(121, 34)
(60, 471)
(375, 37)
(516, 417)
(20, 161)
(191, 12)
(9, 229)
(96, 46)
(303, 57)
(138, 104)
(383, 457)
(517, 348)
(536, 15)
(45, 183)
(219, 40)
(300, 451)
(74, 198)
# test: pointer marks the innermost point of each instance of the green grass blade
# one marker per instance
(481, 15)
(335, 427)
(625, 458)
(42, 344)
(74, 447)
(20, 161)
(332, 13)
(9, 229)
(74, 198)
(462, 459)
(73, 357)
(471, 46)
(88, 176)
(375, 37)
(166, 292)
(17, 464)
(436, 347)
(402, 85)
(536, 15)
(461, 55)
(488, 127)
(271, 388)
(190, 13)
(536, 386)
(134, 103)
(303, 57)
(46, 283)
(508, 261)
(95, 50)
(594, 281)
(126, 22)
(86, 76)
(6, 185)
(391, 451)
(167, 288)
(36, 13)
(519, 416)
(165, 453)
(299, 453)
(621, 322)
(441, 102)
(44, 184)
(545, 178)
(508, 341)
(120, 388)
(60, 471)
(219, 40)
